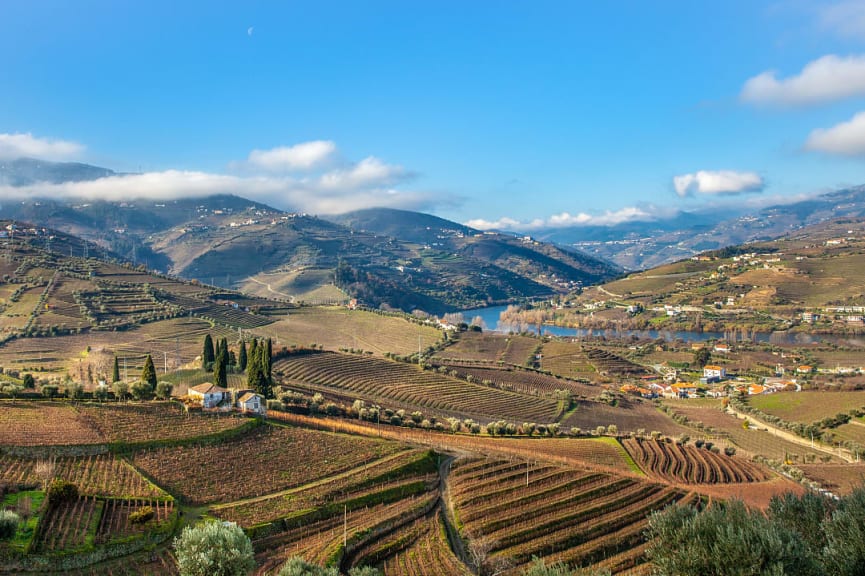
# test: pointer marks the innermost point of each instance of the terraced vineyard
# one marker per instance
(321, 541)
(678, 464)
(262, 461)
(66, 526)
(425, 551)
(69, 526)
(560, 514)
(95, 475)
(133, 423)
(44, 423)
(629, 415)
(393, 471)
(612, 364)
(115, 523)
(383, 380)
(567, 359)
(752, 440)
(490, 349)
(524, 381)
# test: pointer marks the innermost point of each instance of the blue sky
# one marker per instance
(519, 114)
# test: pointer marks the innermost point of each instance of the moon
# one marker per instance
(250, 30)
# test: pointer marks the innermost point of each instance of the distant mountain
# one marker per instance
(403, 224)
(26, 171)
(642, 245)
(401, 259)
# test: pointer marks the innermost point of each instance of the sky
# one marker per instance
(510, 114)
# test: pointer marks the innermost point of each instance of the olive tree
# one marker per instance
(214, 549)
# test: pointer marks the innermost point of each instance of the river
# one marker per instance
(490, 317)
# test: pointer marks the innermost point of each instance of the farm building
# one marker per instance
(713, 373)
(209, 394)
(251, 403)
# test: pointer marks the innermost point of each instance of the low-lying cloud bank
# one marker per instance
(26, 145)
(567, 220)
(306, 177)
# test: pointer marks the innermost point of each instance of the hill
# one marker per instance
(395, 259)
(646, 244)
(811, 280)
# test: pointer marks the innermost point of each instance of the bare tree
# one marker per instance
(480, 551)
(44, 469)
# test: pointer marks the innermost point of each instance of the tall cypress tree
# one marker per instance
(253, 346)
(223, 347)
(242, 359)
(208, 356)
(220, 369)
(268, 361)
(148, 374)
(253, 368)
(115, 374)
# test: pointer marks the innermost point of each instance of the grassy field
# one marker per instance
(337, 327)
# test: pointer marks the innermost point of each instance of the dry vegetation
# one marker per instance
(263, 461)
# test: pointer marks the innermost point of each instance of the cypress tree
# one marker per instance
(220, 373)
(208, 356)
(115, 374)
(253, 346)
(148, 374)
(253, 369)
(242, 356)
(223, 347)
(268, 361)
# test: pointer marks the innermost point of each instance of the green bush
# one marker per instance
(8, 524)
(61, 491)
(142, 515)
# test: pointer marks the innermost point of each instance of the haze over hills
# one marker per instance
(640, 245)
(402, 259)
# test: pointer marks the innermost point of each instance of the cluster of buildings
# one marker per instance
(214, 398)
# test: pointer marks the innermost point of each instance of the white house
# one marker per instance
(209, 394)
(712, 372)
(252, 403)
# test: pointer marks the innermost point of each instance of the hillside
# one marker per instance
(399, 259)
(641, 245)
(810, 280)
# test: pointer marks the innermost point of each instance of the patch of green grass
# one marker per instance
(27, 527)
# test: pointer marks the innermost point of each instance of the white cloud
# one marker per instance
(825, 79)
(303, 156)
(281, 192)
(368, 172)
(26, 145)
(846, 138)
(269, 176)
(567, 220)
(717, 183)
(845, 18)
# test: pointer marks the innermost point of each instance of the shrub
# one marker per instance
(730, 450)
(142, 515)
(61, 491)
(296, 566)
(214, 548)
(164, 389)
(8, 524)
